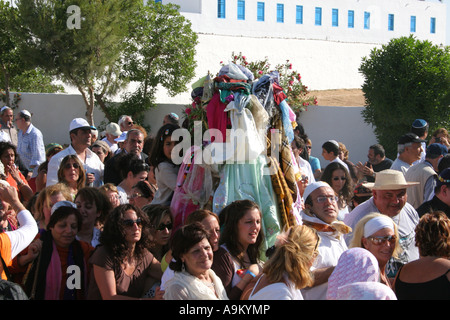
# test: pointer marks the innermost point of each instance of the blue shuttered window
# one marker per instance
(351, 18)
(260, 11)
(221, 9)
(318, 16)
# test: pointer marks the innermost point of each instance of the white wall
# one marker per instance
(52, 114)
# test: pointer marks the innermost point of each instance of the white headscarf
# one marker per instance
(377, 223)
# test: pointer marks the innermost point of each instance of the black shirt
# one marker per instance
(434, 204)
(383, 165)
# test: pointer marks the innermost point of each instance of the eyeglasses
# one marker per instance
(339, 178)
(130, 222)
(163, 226)
(378, 241)
(70, 165)
(135, 195)
(130, 123)
(322, 199)
(308, 147)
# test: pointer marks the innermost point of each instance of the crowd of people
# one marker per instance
(111, 216)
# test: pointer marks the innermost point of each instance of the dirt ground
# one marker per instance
(339, 97)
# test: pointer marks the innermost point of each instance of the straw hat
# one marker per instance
(389, 180)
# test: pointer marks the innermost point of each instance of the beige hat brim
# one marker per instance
(371, 186)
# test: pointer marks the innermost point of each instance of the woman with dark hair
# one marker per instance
(94, 208)
(71, 172)
(142, 194)
(133, 170)
(166, 172)
(338, 177)
(122, 263)
(8, 157)
(161, 223)
(192, 260)
(41, 179)
(60, 271)
(242, 239)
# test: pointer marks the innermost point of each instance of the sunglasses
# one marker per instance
(163, 226)
(135, 195)
(378, 241)
(339, 178)
(70, 165)
(130, 222)
(130, 123)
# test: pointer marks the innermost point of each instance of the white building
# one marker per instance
(324, 40)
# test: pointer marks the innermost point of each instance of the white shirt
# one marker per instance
(400, 165)
(93, 164)
(331, 247)
(276, 291)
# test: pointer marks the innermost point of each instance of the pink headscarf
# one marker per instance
(354, 265)
(365, 291)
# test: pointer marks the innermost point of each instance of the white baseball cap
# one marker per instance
(122, 137)
(78, 123)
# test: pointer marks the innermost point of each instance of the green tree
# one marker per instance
(80, 42)
(160, 53)
(404, 80)
(15, 73)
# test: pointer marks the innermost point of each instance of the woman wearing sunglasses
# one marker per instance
(71, 172)
(161, 223)
(122, 264)
(379, 234)
(142, 194)
(338, 177)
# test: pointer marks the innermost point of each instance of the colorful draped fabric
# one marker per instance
(251, 181)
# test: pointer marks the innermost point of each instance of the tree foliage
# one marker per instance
(404, 80)
(118, 42)
(16, 73)
(87, 56)
(160, 53)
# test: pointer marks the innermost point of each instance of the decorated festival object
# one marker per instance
(247, 127)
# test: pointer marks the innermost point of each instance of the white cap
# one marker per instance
(80, 123)
(122, 137)
(26, 113)
(313, 186)
(113, 129)
(64, 203)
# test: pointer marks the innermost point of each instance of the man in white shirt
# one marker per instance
(321, 211)
(30, 144)
(80, 137)
(330, 152)
(409, 151)
(389, 197)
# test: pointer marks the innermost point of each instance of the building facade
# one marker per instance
(324, 40)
